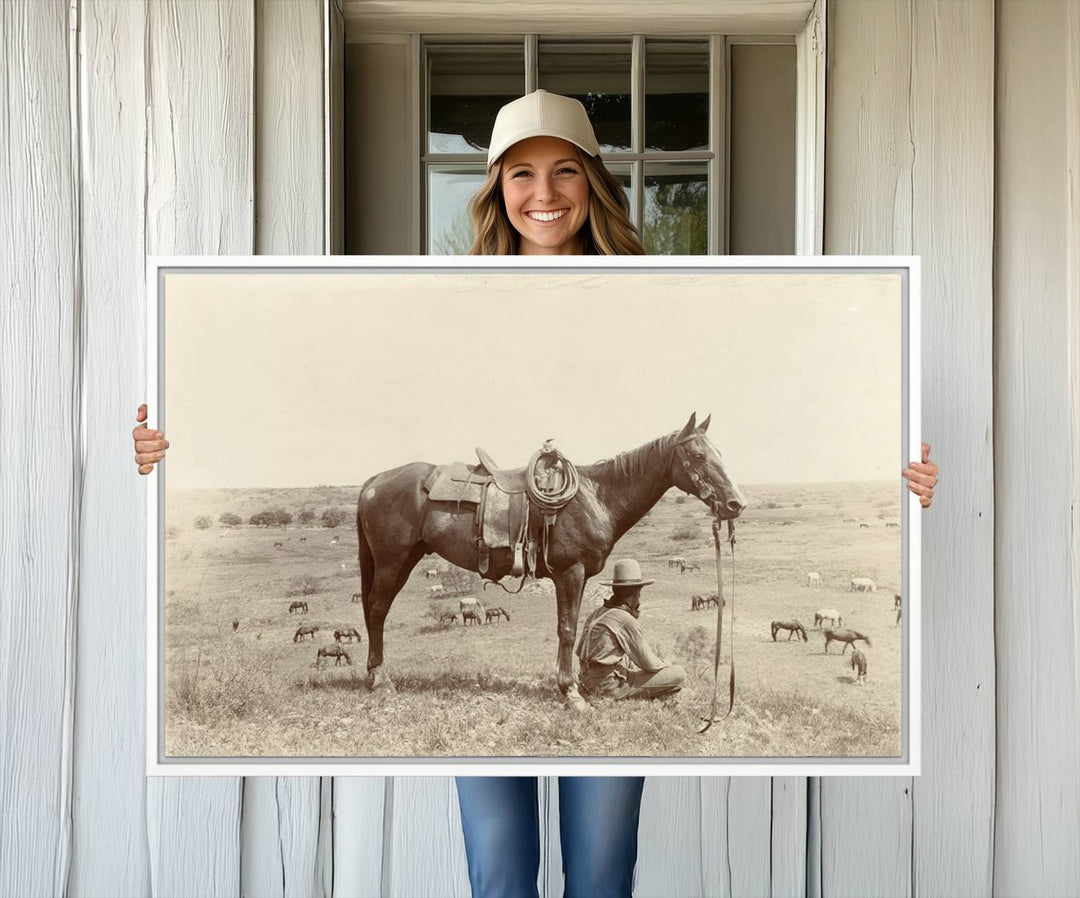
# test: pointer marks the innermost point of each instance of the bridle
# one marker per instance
(706, 492)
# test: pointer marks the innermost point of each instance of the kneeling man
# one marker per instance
(616, 660)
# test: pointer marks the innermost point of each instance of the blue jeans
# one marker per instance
(598, 822)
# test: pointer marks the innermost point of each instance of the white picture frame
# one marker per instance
(906, 763)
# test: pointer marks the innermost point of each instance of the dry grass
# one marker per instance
(491, 690)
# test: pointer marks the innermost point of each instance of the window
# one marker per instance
(661, 109)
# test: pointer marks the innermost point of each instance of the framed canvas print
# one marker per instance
(577, 515)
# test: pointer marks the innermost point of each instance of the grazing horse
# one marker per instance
(496, 613)
(858, 663)
(447, 617)
(397, 524)
(792, 626)
(827, 614)
(278, 545)
(301, 607)
(303, 539)
(813, 579)
(346, 633)
(863, 584)
(431, 574)
(332, 651)
(848, 637)
(689, 566)
(356, 597)
(304, 631)
(675, 561)
(469, 614)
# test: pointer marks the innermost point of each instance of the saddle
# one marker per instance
(515, 508)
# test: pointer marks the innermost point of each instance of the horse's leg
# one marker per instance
(569, 585)
(388, 583)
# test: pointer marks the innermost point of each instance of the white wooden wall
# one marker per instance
(134, 127)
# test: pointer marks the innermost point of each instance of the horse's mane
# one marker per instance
(632, 463)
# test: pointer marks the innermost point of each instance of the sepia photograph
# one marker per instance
(482, 514)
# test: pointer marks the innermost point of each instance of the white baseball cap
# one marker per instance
(541, 114)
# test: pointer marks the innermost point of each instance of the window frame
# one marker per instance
(809, 108)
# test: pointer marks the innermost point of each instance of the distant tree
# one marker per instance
(203, 522)
(676, 218)
(263, 519)
(306, 516)
(229, 519)
(282, 517)
(334, 517)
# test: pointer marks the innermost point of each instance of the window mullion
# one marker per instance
(717, 185)
(637, 128)
(532, 62)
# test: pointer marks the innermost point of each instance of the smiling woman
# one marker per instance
(547, 190)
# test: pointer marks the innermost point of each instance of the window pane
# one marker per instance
(466, 87)
(597, 74)
(676, 209)
(449, 191)
(676, 95)
(622, 174)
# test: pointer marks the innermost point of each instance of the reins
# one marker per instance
(720, 623)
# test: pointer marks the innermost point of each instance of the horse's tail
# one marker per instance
(867, 638)
(365, 558)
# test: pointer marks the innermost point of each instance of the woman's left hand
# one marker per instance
(922, 477)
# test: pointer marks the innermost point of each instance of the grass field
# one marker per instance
(490, 690)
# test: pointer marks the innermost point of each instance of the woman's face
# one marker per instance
(546, 195)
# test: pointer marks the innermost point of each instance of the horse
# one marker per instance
(278, 546)
(689, 566)
(332, 651)
(813, 579)
(496, 613)
(827, 614)
(397, 525)
(467, 615)
(848, 637)
(863, 584)
(858, 664)
(304, 631)
(356, 597)
(235, 625)
(447, 617)
(792, 626)
(346, 633)
(896, 600)
(300, 607)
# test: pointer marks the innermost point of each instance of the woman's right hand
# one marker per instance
(150, 445)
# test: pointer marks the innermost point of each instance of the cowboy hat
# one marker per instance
(627, 573)
(541, 114)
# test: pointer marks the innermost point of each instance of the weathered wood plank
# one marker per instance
(869, 157)
(40, 446)
(1037, 450)
(952, 127)
(911, 143)
(736, 824)
(289, 132)
(199, 200)
(788, 847)
(281, 821)
(425, 853)
(110, 851)
(669, 835)
(360, 810)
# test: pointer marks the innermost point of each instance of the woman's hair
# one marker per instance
(607, 231)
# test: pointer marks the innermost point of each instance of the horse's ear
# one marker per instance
(704, 425)
(689, 428)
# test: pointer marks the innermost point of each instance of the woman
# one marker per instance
(548, 193)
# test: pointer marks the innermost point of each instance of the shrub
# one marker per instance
(304, 585)
(203, 522)
(306, 516)
(694, 646)
(458, 581)
(679, 500)
(229, 519)
(334, 517)
(682, 534)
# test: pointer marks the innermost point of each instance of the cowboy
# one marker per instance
(615, 658)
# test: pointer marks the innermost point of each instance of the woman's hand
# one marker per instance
(922, 477)
(150, 445)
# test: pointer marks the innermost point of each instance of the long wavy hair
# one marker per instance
(607, 231)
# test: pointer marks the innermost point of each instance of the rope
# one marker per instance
(720, 624)
(549, 503)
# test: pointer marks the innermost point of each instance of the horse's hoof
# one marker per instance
(578, 705)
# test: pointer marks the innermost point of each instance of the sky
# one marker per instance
(327, 377)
